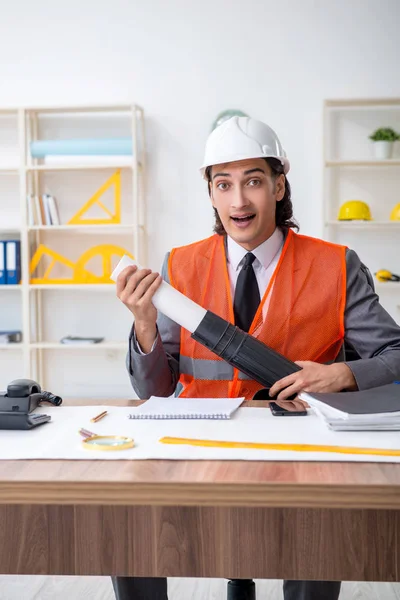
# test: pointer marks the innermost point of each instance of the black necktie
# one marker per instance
(247, 295)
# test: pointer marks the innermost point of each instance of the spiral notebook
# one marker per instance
(186, 408)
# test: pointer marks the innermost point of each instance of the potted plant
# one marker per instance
(384, 139)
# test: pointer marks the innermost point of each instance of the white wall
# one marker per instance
(185, 61)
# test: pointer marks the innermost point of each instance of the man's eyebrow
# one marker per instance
(221, 175)
(257, 169)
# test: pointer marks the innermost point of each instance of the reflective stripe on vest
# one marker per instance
(200, 368)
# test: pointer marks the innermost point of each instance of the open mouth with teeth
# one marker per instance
(244, 219)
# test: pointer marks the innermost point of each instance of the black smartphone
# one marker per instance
(278, 411)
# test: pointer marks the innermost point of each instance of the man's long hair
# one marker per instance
(284, 209)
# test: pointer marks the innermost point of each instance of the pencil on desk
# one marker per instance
(98, 417)
(86, 433)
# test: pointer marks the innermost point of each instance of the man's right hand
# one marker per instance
(136, 288)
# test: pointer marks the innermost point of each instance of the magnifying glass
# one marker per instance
(108, 443)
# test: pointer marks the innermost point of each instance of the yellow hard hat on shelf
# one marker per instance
(395, 214)
(354, 210)
(384, 275)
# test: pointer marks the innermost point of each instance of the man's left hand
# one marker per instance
(314, 377)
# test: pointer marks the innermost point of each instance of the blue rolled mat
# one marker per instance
(92, 147)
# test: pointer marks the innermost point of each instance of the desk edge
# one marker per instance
(201, 494)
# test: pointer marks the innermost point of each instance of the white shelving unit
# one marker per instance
(70, 347)
(363, 163)
(47, 312)
(351, 172)
(98, 287)
(78, 167)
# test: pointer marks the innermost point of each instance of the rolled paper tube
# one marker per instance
(169, 301)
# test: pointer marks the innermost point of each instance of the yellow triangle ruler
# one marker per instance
(81, 272)
(56, 258)
(113, 217)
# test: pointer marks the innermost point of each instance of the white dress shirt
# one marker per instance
(267, 256)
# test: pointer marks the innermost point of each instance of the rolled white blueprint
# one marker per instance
(169, 301)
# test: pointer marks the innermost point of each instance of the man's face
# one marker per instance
(245, 195)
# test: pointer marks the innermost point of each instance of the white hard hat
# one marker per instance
(241, 138)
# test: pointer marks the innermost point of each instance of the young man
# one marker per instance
(303, 297)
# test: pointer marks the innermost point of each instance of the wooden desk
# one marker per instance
(201, 519)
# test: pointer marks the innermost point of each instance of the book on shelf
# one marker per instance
(42, 210)
(53, 209)
(46, 209)
(3, 267)
(37, 212)
(10, 262)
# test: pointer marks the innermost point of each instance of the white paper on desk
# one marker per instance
(89, 159)
(59, 439)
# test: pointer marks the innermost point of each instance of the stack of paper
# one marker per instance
(42, 210)
(376, 409)
(116, 160)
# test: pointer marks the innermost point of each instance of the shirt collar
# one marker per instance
(264, 253)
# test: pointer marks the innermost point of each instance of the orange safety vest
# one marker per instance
(304, 321)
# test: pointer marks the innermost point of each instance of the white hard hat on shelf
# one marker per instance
(241, 138)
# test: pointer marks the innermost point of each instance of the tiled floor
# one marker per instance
(99, 588)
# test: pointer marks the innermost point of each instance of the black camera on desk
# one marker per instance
(20, 400)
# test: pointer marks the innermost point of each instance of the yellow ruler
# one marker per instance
(283, 447)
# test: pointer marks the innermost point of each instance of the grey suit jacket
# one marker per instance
(369, 330)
